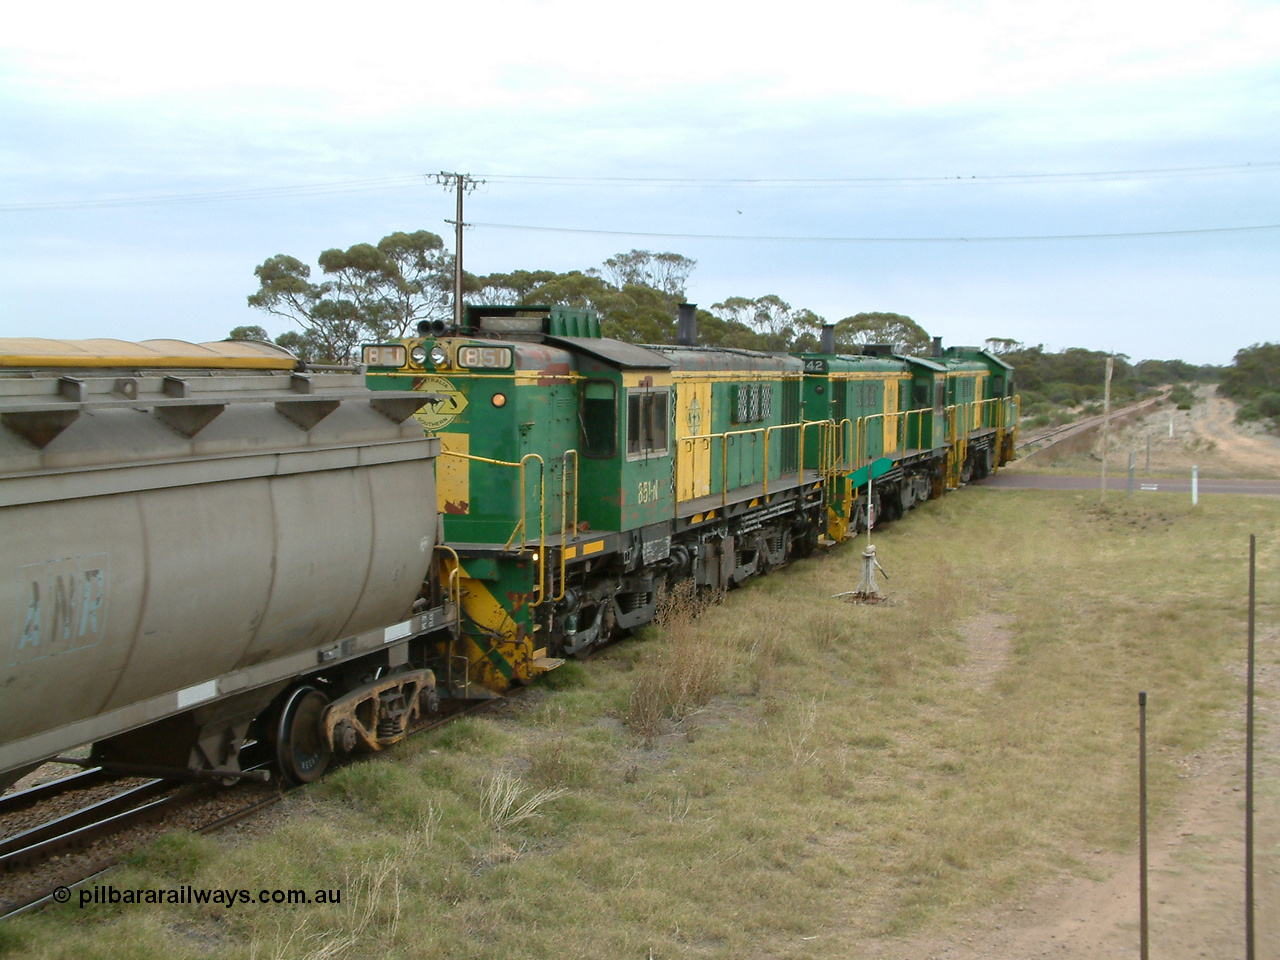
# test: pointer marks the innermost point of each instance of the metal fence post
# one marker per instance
(1142, 824)
(1248, 771)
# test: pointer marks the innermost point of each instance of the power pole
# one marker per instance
(464, 183)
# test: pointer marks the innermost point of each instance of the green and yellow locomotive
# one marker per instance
(578, 474)
(941, 420)
(565, 478)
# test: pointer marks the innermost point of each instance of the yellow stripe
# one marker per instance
(873, 375)
(479, 604)
(658, 378)
(570, 553)
(736, 376)
(593, 547)
(453, 475)
(534, 378)
(100, 353)
(408, 370)
(212, 363)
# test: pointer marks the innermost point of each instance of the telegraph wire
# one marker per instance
(251, 193)
(794, 239)
(1152, 173)
(384, 183)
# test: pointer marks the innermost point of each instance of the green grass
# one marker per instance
(838, 775)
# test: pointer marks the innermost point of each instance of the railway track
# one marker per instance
(1049, 437)
(23, 799)
(71, 847)
(131, 805)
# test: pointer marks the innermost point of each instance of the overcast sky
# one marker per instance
(153, 154)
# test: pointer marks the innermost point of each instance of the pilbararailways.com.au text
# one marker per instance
(186, 894)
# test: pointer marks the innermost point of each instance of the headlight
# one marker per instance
(438, 356)
(418, 354)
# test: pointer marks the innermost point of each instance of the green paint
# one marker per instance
(877, 467)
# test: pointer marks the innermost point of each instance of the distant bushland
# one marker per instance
(1253, 381)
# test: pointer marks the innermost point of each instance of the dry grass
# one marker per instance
(783, 776)
(685, 669)
(505, 802)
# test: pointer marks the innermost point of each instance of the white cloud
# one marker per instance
(146, 99)
(389, 57)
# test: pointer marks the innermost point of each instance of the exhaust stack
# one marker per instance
(828, 342)
(687, 325)
(937, 347)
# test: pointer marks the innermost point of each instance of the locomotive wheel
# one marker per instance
(302, 753)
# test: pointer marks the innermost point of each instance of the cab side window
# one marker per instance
(599, 418)
(646, 424)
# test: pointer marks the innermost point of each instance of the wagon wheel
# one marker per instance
(301, 751)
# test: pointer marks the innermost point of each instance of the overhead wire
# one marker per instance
(382, 183)
(1149, 173)
(218, 196)
(957, 239)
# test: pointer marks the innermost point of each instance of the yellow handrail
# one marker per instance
(724, 459)
(864, 453)
(455, 594)
(521, 527)
(800, 465)
(906, 428)
(826, 443)
(455, 586)
(564, 509)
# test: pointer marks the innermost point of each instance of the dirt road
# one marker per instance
(1196, 873)
(1244, 446)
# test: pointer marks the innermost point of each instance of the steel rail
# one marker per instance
(85, 830)
(15, 845)
(1076, 426)
(21, 799)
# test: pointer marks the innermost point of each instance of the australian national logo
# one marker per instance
(437, 416)
(693, 419)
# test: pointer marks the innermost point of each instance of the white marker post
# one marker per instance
(1106, 419)
(1195, 485)
(870, 512)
